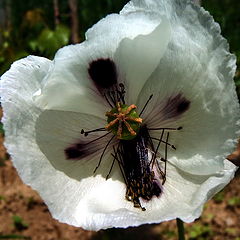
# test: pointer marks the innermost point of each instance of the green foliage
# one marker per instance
(49, 41)
(231, 231)
(1, 129)
(234, 201)
(199, 232)
(219, 197)
(92, 11)
(30, 203)
(18, 223)
(2, 198)
(169, 234)
(209, 216)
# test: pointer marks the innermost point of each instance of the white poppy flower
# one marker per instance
(168, 59)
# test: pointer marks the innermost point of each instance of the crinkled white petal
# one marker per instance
(197, 64)
(70, 72)
(68, 87)
(183, 197)
(138, 58)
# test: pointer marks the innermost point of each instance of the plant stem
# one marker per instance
(180, 227)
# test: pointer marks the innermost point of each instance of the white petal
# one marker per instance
(183, 197)
(185, 194)
(58, 135)
(18, 79)
(68, 87)
(70, 72)
(61, 193)
(198, 65)
(17, 87)
(138, 58)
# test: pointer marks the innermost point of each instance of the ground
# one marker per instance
(23, 215)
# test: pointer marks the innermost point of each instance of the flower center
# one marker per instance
(123, 121)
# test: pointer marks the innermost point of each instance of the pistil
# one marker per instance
(123, 121)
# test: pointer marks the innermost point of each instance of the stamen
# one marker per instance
(110, 168)
(179, 128)
(121, 93)
(146, 104)
(91, 131)
(104, 150)
(172, 146)
(155, 153)
(92, 141)
(114, 95)
(165, 166)
(120, 163)
(107, 100)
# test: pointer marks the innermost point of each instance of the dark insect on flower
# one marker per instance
(135, 153)
(138, 168)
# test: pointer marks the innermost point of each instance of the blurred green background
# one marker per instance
(41, 27)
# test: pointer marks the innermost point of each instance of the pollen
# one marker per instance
(123, 121)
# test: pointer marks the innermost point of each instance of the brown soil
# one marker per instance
(220, 219)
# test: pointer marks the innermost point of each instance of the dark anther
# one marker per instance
(91, 131)
(103, 73)
(83, 132)
(172, 146)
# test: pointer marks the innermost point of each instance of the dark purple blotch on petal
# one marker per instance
(76, 151)
(103, 73)
(84, 148)
(81, 150)
(175, 106)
